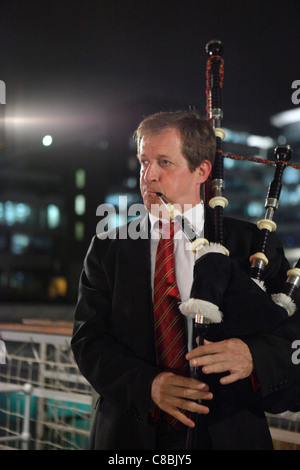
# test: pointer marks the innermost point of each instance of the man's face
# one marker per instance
(164, 169)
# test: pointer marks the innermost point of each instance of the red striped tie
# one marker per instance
(170, 335)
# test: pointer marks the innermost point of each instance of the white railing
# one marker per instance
(45, 403)
(24, 437)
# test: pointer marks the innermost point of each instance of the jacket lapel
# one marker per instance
(135, 259)
(136, 254)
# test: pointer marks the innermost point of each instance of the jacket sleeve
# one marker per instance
(276, 366)
(110, 366)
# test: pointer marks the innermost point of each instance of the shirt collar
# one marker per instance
(195, 215)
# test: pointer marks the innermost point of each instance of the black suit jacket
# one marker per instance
(113, 343)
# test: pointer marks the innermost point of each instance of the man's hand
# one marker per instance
(172, 393)
(231, 355)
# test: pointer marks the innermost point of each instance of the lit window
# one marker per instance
(19, 243)
(53, 216)
(80, 178)
(290, 176)
(255, 209)
(14, 212)
(23, 211)
(228, 163)
(79, 231)
(80, 204)
(9, 213)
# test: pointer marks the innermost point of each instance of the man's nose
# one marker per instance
(151, 173)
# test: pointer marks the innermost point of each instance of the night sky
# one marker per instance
(81, 66)
(87, 71)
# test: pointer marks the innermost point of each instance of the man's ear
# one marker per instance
(203, 171)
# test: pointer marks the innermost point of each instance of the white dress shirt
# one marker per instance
(184, 257)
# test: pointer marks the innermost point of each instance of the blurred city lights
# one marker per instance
(47, 140)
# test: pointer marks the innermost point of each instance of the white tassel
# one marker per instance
(286, 302)
(211, 248)
(260, 284)
(193, 307)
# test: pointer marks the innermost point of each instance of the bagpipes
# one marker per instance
(223, 293)
(224, 298)
(217, 277)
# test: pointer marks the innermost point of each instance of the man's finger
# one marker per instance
(188, 405)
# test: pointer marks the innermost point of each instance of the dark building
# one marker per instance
(49, 197)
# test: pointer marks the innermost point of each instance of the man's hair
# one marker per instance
(197, 135)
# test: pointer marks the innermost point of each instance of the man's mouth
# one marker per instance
(162, 197)
(151, 191)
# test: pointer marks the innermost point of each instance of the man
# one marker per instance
(114, 333)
